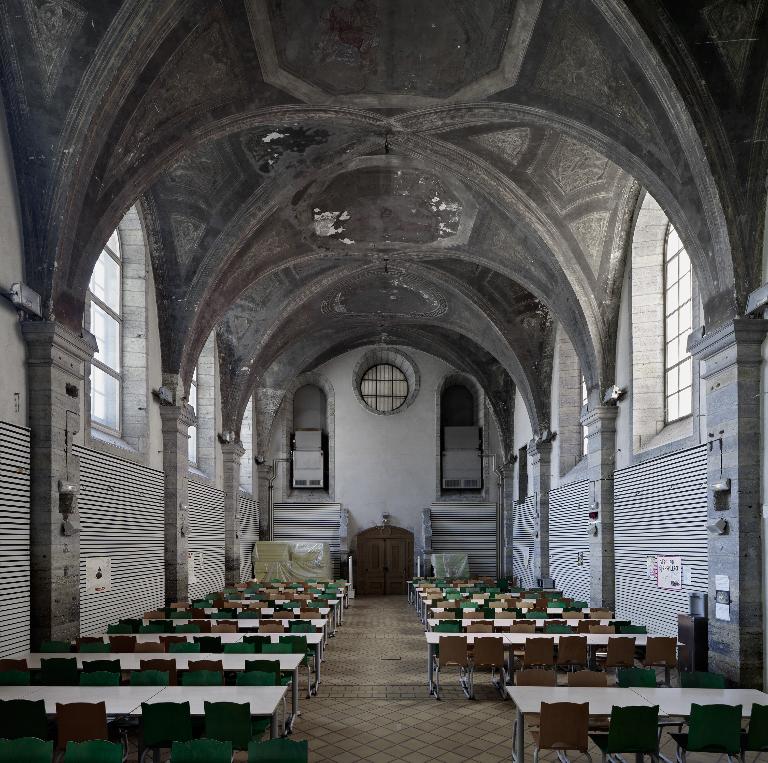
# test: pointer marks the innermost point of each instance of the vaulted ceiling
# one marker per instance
(450, 176)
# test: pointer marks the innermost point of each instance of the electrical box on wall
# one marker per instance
(308, 459)
(462, 463)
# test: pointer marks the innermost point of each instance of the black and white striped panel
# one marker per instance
(121, 517)
(14, 530)
(660, 508)
(523, 535)
(310, 523)
(206, 535)
(466, 528)
(249, 534)
(568, 539)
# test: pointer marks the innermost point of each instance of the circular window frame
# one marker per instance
(387, 356)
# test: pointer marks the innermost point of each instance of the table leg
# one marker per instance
(519, 737)
(294, 700)
(318, 660)
(273, 733)
(431, 667)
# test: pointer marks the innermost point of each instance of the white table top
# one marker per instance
(271, 611)
(119, 700)
(601, 700)
(504, 621)
(676, 701)
(518, 639)
(226, 638)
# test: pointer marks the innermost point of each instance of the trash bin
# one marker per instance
(697, 604)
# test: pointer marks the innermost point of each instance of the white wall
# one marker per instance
(13, 390)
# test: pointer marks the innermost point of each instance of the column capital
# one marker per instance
(177, 416)
(743, 335)
(538, 449)
(47, 339)
(232, 450)
(600, 418)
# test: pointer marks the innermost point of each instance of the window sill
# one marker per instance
(682, 429)
(98, 439)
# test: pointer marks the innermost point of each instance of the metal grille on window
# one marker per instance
(384, 387)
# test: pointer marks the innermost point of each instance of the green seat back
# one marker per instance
(23, 718)
(628, 678)
(94, 647)
(446, 626)
(269, 666)
(187, 628)
(715, 728)
(241, 648)
(15, 678)
(150, 678)
(97, 751)
(151, 628)
(633, 729)
(120, 629)
(94, 666)
(298, 643)
(229, 722)
(633, 629)
(179, 615)
(258, 641)
(577, 606)
(202, 678)
(757, 735)
(25, 750)
(209, 643)
(55, 647)
(201, 751)
(134, 622)
(100, 678)
(281, 647)
(249, 614)
(532, 614)
(557, 628)
(258, 678)
(165, 722)
(183, 647)
(284, 750)
(58, 671)
(701, 680)
(302, 627)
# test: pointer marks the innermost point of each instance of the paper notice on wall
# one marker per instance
(687, 575)
(98, 574)
(722, 583)
(722, 612)
(651, 568)
(194, 565)
(670, 573)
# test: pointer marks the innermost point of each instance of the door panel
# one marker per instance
(384, 562)
(373, 555)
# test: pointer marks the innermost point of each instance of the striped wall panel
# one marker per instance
(121, 517)
(206, 535)
(14, 530)
(309, 523)
(523, 530)
(249, 534)
(466, 528)
(660, 507)
(568, 539)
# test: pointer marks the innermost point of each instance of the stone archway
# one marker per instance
(384, 560)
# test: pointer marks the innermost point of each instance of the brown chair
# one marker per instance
(168, 640)
(573, 615)
(443, 616)
(125, 644)
(13, 665)
(204, 625)
(311, 614)
(539, 652)
(196, 613)
(562, 726)
(603, 629)
(480, 627)
(620, 653)
(80, 722)
(536, 677)
(489, 653)
(601, 614)
(214, 665)
(145, 647)
(164, 665)
(273, 627)
(572, 652)
(524, 627)
(661, 652)
(585, 626)
(155, 614)
(453, 652)
(223, 628)
(588, 678)
(472, 615)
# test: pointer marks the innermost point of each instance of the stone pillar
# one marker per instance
(55, 361)
(176, 420)
(508, 508)
(426, 534)
(731, 375)
(231, 452)
(600, 422)
(540, 461)
(261, 479)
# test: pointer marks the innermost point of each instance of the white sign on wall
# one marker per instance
(194, 565)
(670, 573)
(98, 574)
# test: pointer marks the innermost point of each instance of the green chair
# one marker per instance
(632, 629)
(187, 628)
(162, 724)
(120, 629)
(258, 641)
(179, 615)
(280, 647)
(149, 678)
(633, 678)
(209, 644)
(248, 614)
(201, 751)
(25, 750)
(96, 751)
(100, 678)
(302, 626)
(278, 751)
(557, 628)
(21, 718)
(756, 738)
(201, 604)
(184, 647)
(94, 647)
(133, 622)
(15, 678)
(241, 648)
(711, 728)
(231, 722)
(532, 614)
(152, 628)
(446, 626)
(58, 671)
(202, 678)
(632, 730)
(265, 666)
(257, 678)
(701, 680)
(55, 647)
(94, 666)
(577, 606)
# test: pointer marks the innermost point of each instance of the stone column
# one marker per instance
(231, 452)
(600, 422)
(426, 535)
(55, 361)
(508, 507)
(540, 461)
(731, 375)
(261, 478)
(176, 420)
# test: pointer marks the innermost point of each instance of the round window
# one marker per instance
(384, 388)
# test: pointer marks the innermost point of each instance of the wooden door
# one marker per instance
(384, 561)
(372, 554)
(396, 569)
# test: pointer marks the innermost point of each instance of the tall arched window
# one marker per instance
(192, 442)
(677, 326)
(105, 309)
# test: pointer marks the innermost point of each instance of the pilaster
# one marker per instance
(231, 453)
(540, 464)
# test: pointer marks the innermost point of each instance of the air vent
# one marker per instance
(471, 483)
(315, 483)
(300, 483)
(451, 483)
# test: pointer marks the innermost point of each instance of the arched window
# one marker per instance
(105, 311)
(678, 300)
(192, 442)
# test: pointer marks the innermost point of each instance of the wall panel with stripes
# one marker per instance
(523, 531)
(466, 528)
(206, 537)
(310, 523)
(122, 518)
(249, 534)
(568, 539)
(660, 509)
(14, 530)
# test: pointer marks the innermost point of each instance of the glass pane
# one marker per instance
(685, 403)
(192, 445)
(682, 346)
(672, 408)
(673, 242)
(685, 288)
(685, 262)
(672, 381)
(672, 356)
(105, 399)
(672, 270)
(685, 318)
(685, 373)
(114, 243)
(672, 326)
(107, 332)
(193, 394)
(671, 303)
(105, 282)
